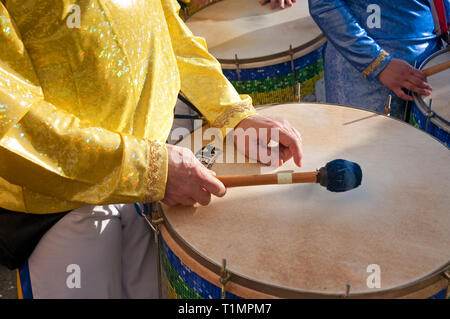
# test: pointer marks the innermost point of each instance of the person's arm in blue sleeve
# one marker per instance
(350, 39)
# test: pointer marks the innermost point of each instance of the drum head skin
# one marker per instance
(250, 30)
(304, 238)
(440, 83)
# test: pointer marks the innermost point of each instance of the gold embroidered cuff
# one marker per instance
(234, 115)
(157, 172)
(375, 64)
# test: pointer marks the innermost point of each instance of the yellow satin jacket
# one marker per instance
(87, 91)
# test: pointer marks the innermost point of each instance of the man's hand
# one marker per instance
(188, 181)
(281, 3)
(289, 140)
(399, 74)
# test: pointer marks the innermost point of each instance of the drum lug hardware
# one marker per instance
(446, 275)
(387, 108)
(158, 221)
(153, 218)
(238, 71)
(298, 92)
(224, 277)
(152, 215)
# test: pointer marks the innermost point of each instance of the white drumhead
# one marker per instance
(440, 83)
(250, 30)
(306, 238)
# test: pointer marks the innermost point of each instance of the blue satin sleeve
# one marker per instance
(352, 41)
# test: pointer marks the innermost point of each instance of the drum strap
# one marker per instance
(440, 19)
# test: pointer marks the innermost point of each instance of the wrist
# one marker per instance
(234, 115)
(377, 65)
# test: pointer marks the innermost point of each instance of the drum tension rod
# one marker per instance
(186, 11)
(154, 219)
(408, 105)
(446, 275)
(154, 222)
(295, 86)
(347, 291)
(224, 277)
(429, 114)
(238, 71)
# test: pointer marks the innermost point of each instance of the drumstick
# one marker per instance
(437, 68)
(337, 176)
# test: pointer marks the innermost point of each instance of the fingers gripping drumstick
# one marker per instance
(337, 176)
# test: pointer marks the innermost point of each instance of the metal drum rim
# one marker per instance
(437, 119)
(405, 289)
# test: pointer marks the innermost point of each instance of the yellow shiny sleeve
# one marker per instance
(202, 80)
(46, 150)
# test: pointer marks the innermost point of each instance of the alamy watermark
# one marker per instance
(374, 19)
(374, 279)
(74, 278)
(74, 17)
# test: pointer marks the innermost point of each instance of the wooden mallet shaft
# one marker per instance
(269, 179)
(337, 176)
(436, 68)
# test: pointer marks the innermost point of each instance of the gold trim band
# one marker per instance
(375, 64)
(156, 173)
(224, 118)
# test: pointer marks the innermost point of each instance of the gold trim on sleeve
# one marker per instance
(224, 118)
(156, 174)
(375, 64)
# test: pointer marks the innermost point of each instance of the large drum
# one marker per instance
(432, 113)
(388, 238)
(274, 56)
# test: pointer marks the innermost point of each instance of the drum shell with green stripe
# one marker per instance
(283, 79)
(180, 282)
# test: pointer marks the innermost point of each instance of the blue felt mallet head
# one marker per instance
(340, 175)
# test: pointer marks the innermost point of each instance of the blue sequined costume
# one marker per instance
(364, 36)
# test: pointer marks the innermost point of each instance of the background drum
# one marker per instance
(301, 240)
(273, 55)
(435, 119)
